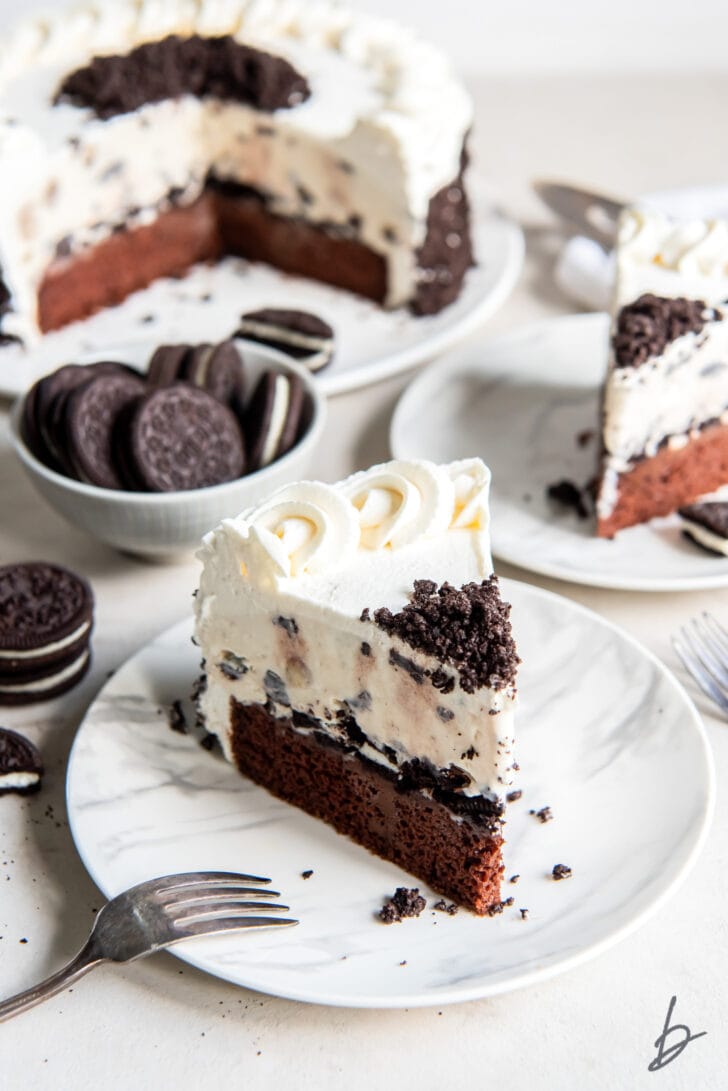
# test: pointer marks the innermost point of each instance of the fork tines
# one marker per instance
(702, 645)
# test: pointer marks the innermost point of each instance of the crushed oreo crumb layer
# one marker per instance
(647, 326)
(403, 903)
(220, 68)
(467, 628)
(561, 871)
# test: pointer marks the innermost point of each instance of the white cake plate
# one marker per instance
(520, 402)
(206, 305)
(629, 782)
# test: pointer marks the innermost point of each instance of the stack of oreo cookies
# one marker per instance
(186, 424)
(46, 618)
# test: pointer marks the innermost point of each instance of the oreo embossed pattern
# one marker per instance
(46, 618)
(189, 423)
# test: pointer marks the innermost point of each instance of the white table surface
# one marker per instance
(164, 1023)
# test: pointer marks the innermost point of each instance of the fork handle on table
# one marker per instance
(86, 959)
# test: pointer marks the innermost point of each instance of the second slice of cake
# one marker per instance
(665, 424)
(360, 664)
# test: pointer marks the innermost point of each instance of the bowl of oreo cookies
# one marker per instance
(149, 460)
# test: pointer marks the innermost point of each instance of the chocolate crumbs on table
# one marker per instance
(514, 878)
(511, 797)
(307, 874)
(444, 907)
(544, 815)
(561, 871)
(524, 914)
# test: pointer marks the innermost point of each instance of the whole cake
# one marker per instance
(359, 663)
(140, 137)
(665, 411)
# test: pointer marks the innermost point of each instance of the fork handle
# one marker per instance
(85, 960)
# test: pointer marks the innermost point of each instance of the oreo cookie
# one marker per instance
(46, 618)
(21, 766)
(219, 370)
(167, 364)
(90, 413)
(43, 408)
(272, 419)
(183, 438)
(707, 525)
(303, 336)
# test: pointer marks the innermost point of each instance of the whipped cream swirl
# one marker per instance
(311, 528)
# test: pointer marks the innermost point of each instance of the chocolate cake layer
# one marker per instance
(235, 219)
(220, 68)
(76, 286)
(457, 856)
(322, 253)
(670, 479)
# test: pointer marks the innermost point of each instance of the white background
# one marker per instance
(534, 36)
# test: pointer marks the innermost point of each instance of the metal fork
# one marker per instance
(703, 648)
(154, 915)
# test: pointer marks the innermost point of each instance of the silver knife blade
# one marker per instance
(593, 213)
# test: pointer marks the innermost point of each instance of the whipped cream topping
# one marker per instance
(279, 614)
(668, 397)
(381, 133)
(656, 254)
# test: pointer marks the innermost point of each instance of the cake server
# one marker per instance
(155, 914)
(594, 214)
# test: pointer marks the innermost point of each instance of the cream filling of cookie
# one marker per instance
(279, 619)
(708, 538)
(46, 649)
(279, 412)
(42, 685)
(18, 780)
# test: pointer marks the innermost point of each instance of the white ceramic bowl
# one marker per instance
(164, 524)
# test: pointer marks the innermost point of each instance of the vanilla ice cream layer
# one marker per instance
(380, 134)
(279, 611)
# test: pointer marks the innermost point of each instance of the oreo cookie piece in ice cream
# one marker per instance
(46, 617)
(302, 335)
(707, 525)
(21, 766)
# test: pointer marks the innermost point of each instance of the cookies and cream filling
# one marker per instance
(286, 617)
(674, 385)
(380, 133)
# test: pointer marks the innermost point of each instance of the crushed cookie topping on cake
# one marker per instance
(647, 326)
(220, 68)
(467, 628)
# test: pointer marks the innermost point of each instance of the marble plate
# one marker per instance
(520, 401)
(630, 784)
(206, 305)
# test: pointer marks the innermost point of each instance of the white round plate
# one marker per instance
(144, 801)
(519, 402)
(371, 344)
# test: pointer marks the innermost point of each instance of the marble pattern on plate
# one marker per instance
(605, 737)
